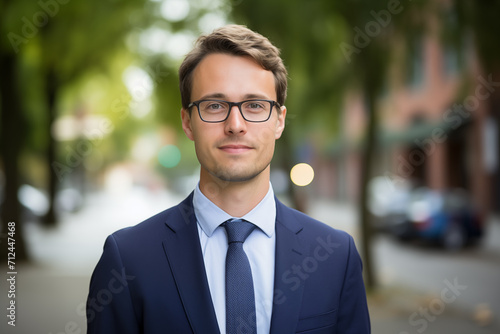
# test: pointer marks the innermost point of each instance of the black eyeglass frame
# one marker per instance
(231, 105)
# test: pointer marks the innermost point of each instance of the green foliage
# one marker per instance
(474, 23)
(89, 44)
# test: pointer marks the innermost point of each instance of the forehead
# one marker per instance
(232, 77)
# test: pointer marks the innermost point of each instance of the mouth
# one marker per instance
(235, 148)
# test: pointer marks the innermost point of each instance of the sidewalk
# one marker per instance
(400, 307)
(52, 291)
(404, 311)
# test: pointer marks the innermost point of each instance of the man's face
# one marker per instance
(234, 150)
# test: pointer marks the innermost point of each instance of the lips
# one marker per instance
(235, 148)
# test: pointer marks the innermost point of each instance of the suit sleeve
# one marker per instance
(109, 303)
(353, 311)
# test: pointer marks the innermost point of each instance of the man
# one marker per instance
(176, 272)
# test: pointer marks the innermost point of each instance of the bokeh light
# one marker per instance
(302, 174)
(174, 10)
(169, 156)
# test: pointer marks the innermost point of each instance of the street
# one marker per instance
(422, 289)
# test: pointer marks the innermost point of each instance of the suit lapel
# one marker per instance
(186, 262)
(288, 287)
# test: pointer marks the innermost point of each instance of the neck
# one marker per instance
(235, 198)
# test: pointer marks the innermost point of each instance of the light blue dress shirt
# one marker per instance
(259, 246)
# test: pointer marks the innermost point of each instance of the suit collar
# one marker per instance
(186, 263)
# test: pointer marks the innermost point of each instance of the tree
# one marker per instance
(12, 134)
(82, 36)
(58, 41)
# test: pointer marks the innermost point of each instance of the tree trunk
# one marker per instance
(50, 219)
(12, 134)
(366, 169)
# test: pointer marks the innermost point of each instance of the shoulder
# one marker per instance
(300, 222)
(315, 237)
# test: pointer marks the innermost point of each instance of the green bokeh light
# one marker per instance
(169, 156)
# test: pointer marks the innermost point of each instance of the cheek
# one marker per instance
(199, 132)
(203, 139)
(199, 143)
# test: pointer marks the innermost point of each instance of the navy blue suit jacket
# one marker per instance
(151, 279)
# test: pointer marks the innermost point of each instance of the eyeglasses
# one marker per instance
(216, 111)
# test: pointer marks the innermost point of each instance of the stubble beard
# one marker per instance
(226, 174)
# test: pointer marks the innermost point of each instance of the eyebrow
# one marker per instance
(245, 97)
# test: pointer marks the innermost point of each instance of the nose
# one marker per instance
(235, 124)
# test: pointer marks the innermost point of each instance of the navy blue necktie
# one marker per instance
(240, 299)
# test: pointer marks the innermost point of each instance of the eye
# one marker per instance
(255, 106)
(213, 106)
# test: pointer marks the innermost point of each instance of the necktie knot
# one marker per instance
(238, 230)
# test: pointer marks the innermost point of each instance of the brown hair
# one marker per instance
(239, 41)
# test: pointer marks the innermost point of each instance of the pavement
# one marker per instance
(52, 289)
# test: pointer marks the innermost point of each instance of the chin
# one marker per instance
(234, 176)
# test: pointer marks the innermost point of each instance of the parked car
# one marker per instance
(447, 217)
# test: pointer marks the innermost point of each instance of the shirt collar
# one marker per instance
(210, 216)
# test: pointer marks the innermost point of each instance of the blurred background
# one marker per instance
(392, 135)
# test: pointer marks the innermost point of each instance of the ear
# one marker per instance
(186, 123)
(280, 126)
